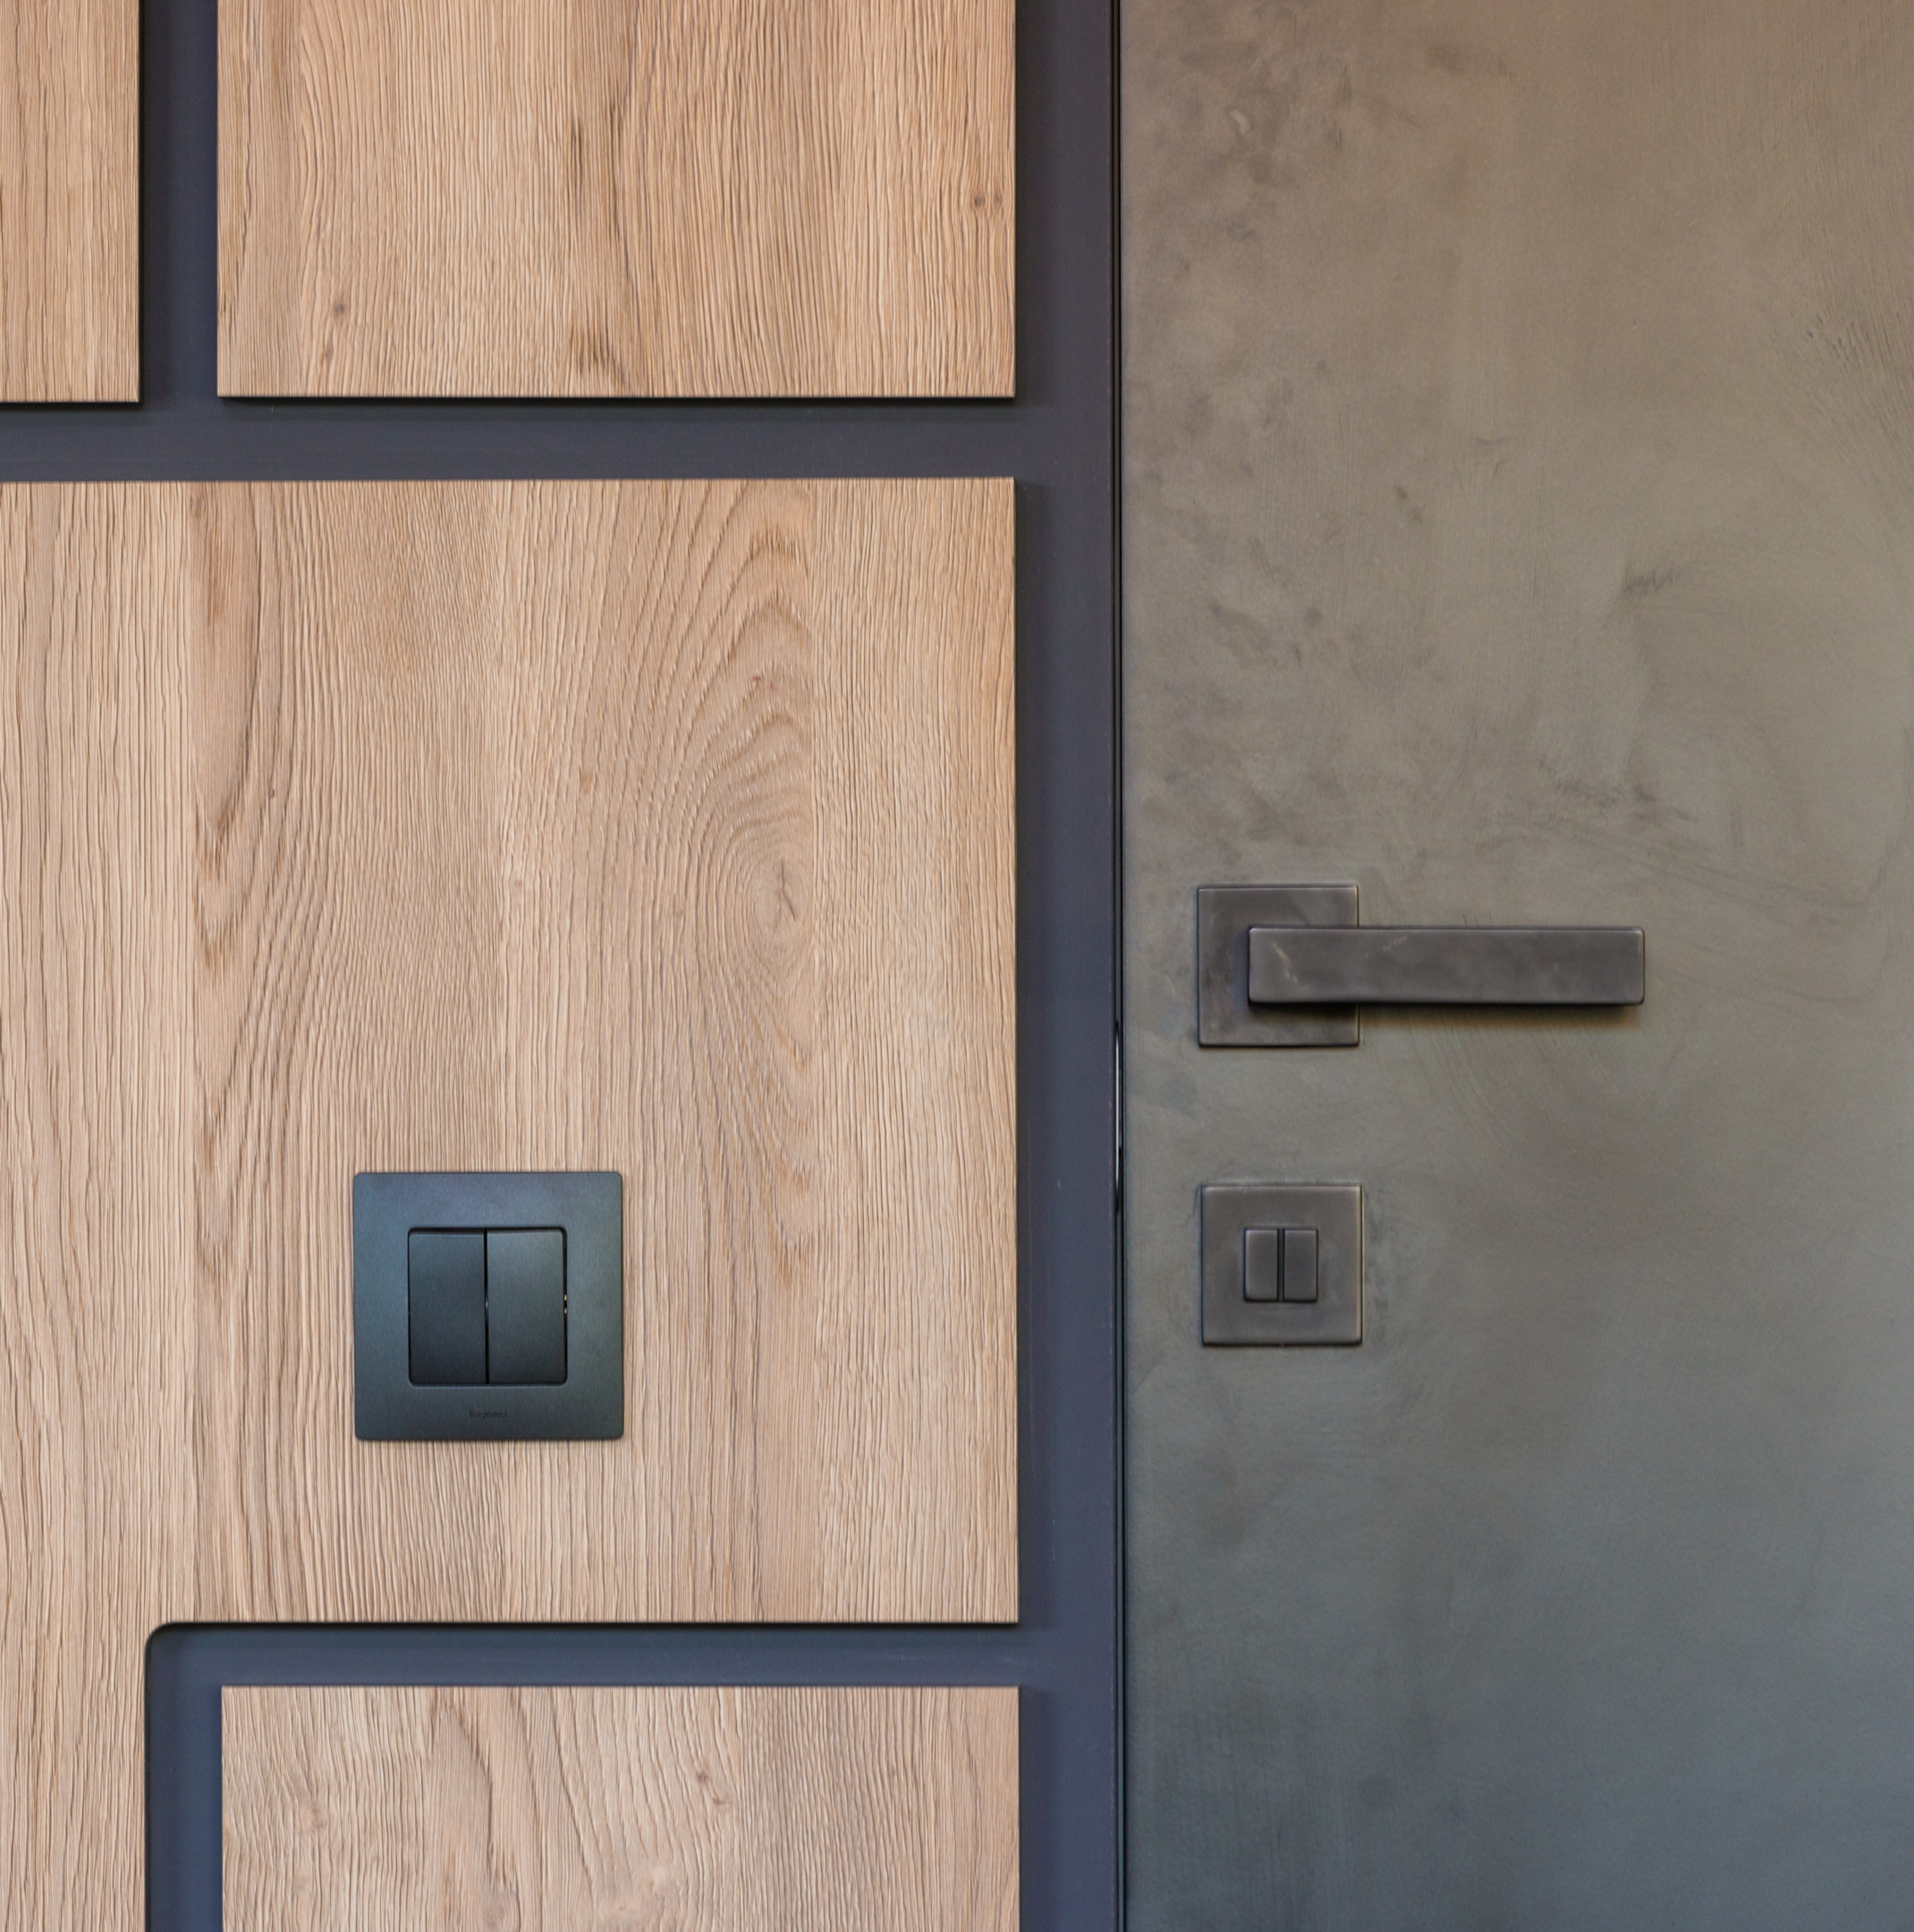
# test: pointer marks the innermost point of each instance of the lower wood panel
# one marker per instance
(662, 827)
(761, 1809)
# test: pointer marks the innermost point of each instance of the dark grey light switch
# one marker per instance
(527, 1268)
(1263, 1264)
(1281, 1264)
(525, 1304)
(446, 1306)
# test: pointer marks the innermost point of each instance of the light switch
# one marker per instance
(1281, 1264)
(525, 1304)
(1263, 1264)
(446, 1306)
(488, 1306)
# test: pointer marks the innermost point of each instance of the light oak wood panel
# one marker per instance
(780, 1808)
(666, 827)
(659, 827)
(97, 1503)
(616, 197)
(70, 201)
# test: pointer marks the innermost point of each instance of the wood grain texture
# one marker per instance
(543, 825)
(96, 1503)
(546, 827)
(70, 201)
(616, 197)
(759, 1810)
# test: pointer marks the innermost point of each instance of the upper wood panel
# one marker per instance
(664, 828)
(616, 197)
(70, 201)
(763, 1810)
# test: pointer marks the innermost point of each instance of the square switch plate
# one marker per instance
(1224, 1016)
(1231, 1320)
(587, 1405)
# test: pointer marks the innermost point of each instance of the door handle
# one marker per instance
(1446, 966)
(1289, 965)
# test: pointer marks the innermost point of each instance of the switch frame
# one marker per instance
(587, 1405)
(1228, 1211)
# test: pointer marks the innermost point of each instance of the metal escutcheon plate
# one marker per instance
(1225, 915)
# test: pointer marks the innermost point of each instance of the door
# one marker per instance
(1518, 527)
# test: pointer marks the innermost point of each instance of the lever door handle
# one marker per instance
(1290, 965)
(1446, 966)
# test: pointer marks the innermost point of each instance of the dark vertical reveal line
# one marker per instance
(183, 1772)
(179, 220)
(1120, 1583)
(1058, 439)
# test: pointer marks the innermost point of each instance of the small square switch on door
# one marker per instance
(489, 1306)
(1281, 1266)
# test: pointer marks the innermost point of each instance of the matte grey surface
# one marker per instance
(585, 1402)
(1225, 917)
(1262, 1264)
(1446, 966)
(1519, 521)
(1301, 1264)
(525, 1305)
(1330, 1314)
(444, 1302)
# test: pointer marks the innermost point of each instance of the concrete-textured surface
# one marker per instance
(1520, 523)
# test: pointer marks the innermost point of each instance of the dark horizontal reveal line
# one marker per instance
(198, 1656)
(205, 440)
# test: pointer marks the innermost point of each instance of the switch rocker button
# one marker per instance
(525, 1304)
(446, 1283)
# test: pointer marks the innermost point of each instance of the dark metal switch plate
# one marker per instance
(585, 1401)
(1239, 1312)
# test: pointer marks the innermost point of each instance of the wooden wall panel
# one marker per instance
(96, 1502)
(761, 1809)
(666, 827)
(70, 201)
(616, 197)
(602, 826)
